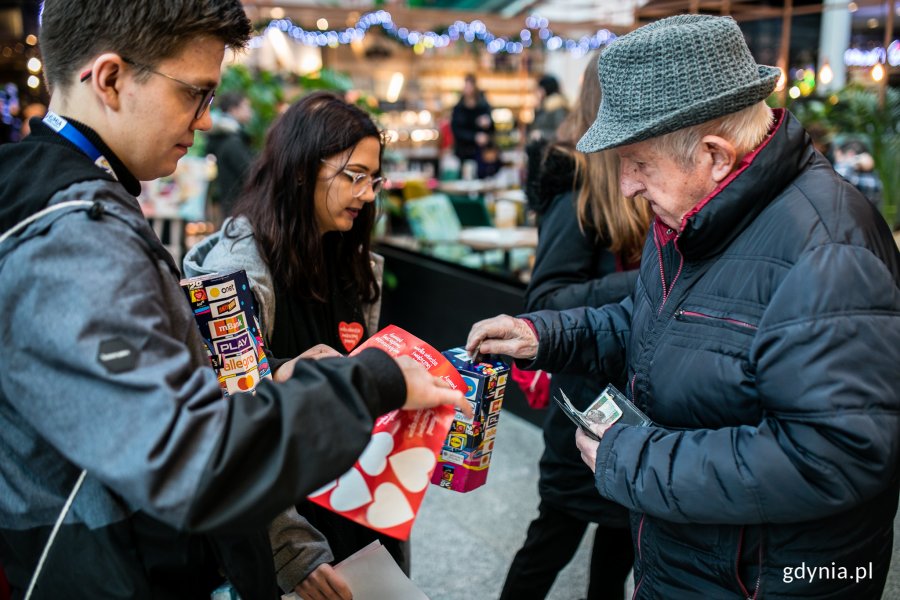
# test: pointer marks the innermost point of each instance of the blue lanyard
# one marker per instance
(68, 131)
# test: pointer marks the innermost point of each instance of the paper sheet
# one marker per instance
(372, 574)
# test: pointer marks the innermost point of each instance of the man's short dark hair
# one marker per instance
(72, 31)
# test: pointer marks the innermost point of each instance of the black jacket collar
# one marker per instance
(42, 133)
(33, 170)
(762, 176)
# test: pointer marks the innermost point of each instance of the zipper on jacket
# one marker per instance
(681, 313)
(667, 289)
(637, 586)
(737, 564)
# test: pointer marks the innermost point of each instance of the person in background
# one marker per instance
(9, 114)
(589, 245)
(854, 163)
(32, 111)
(229, 142)
(471, 123)
(114, 434)
(762, 338)
(552, 108)
(302, 233)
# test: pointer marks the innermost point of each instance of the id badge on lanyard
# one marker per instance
(68, 131)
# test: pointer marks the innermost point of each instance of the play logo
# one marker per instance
(233, 345)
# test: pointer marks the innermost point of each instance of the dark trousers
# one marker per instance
(553, 538)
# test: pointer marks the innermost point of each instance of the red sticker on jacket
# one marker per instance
(350, 334)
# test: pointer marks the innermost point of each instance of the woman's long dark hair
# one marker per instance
(279, 196)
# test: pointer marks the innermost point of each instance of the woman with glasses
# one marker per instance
(301, 231)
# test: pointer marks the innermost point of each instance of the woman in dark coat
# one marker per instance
(590, 238)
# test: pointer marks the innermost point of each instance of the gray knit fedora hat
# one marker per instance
(671, 74)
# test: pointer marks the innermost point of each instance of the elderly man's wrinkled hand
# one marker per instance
(502, 335)
(588, 446)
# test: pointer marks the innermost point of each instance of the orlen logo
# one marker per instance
(223, 290)
(227, 326)
(471, 386)
(226, 307)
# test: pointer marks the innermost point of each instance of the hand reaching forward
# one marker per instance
(502, 335)
(423, 390)
(324, 583)
(318, 351)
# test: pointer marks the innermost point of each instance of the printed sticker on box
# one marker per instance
(466, 455)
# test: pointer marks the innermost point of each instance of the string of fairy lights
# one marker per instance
(536, 31)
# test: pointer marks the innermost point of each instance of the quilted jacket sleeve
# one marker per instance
(583, 341)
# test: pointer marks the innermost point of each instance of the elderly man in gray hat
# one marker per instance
(762, 338)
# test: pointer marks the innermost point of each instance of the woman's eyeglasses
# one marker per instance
(205, 95)
(359, 181)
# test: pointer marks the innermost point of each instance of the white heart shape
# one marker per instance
(413, 467)
(324, 488)
(374, 458)
(391, 508)
(352, 492)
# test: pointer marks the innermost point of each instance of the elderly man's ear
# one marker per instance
(721, 156)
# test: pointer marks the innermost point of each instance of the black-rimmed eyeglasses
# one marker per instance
(205, 95)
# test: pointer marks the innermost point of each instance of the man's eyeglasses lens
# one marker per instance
(206, 94)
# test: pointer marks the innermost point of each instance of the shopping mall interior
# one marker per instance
(458, 230)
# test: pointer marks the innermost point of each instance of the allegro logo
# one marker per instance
(240, 363)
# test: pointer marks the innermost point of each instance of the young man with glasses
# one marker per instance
(109, 411)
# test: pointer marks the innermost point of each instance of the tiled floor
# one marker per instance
(462, 544)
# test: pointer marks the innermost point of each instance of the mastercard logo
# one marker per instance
(245, 383)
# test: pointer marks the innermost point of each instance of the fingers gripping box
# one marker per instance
(466, 454)
(224, 310)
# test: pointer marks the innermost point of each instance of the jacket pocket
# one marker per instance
(713, 318)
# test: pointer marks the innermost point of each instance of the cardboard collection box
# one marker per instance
(466, 455)
(223, 307)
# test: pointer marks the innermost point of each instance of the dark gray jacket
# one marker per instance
(104, 370)
(764, 342)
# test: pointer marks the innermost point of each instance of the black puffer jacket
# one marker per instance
(764, 341)
(572, 268)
